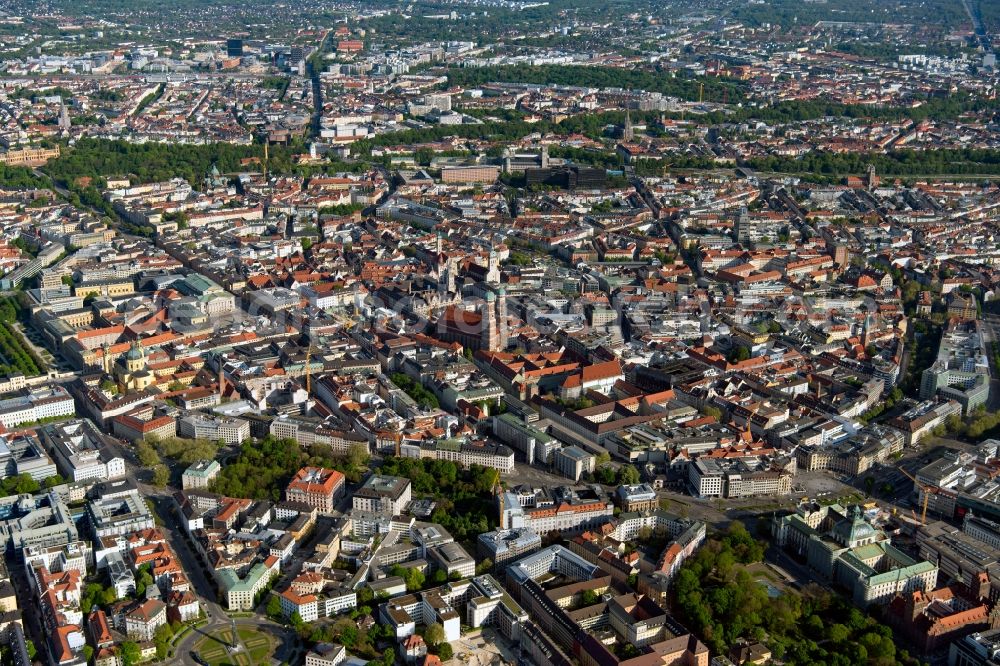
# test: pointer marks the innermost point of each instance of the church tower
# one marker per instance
(871, 180)
(490, 336)
(501, 311)
(493, 268)
(106, 348)
(64, 122)
(868, 330)
(628, 133)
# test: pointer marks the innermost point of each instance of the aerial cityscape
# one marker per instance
(500, 333)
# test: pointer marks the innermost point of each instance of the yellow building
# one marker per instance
(131, 373)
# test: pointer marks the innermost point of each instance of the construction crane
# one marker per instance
(926, 490)
(496, 488)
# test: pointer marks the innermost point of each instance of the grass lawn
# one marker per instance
(844, 500)
(258, 644)
(259, 647)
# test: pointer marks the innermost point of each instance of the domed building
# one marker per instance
(841, 546)
(131, 372)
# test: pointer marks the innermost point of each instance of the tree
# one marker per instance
(92, 595)
(162, 640)
(296, 620)
(445, 651)
(144, 580)
(53, 481)
(739, 355)
(589, 598)
(274, 608)
(161, 476)
(26, 485)
(838, 633)
(714, 412)
(605, 474)
(358, 455)
(434, 635)
(130, 653)
(146, 454)
(628, 475)
(484, 566)
(88, 653)
(414, 579)
(32, 650)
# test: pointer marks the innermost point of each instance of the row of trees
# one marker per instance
(151, 162)
(24, 484)
(10, 310)
(675, 84)
(980, 425)
(789, 13)
(960, 161)
(16, 355)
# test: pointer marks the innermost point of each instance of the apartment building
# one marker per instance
(532, 443)
(120, 514)
(240, 592)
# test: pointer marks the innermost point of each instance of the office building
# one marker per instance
(200, 474)
(573, 462)
(382, 494)
(504, 546)
(316, 486)
(81, 451)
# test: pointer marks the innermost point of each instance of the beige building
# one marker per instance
(471, 174)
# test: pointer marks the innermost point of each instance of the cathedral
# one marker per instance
(484, 328)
